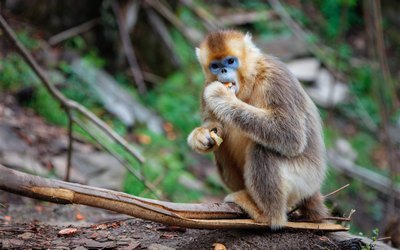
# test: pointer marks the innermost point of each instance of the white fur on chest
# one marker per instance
(300, 180)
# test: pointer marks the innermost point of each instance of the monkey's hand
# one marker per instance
(200, 138)
(244, 200)
(217, 93)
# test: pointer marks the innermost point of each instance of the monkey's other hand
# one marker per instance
(243, 199)
(200, 140)
(217, 92)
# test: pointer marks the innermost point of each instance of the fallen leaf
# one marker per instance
(67, 231)
(168, 127)
(323, 238)
(168, 236)
(79, 216)
(144, 139)
(94, 236)
(169, 130)
(39, 208)
(219, 246)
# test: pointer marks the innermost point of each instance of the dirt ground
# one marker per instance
(26, 223)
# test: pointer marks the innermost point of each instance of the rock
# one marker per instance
(23, 161)
(60, 163)
(345, 150)
(305, 69)
(284, 47)
(116, 99)
(328, 92)
(12, 244)
(26, 236)
(159, 247)
(10, 141)
(93, 168)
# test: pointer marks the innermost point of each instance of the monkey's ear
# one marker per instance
(247, 37)
(249, 42)
(198, 54)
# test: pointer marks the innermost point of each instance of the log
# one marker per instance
(202, 216)
(370, 178)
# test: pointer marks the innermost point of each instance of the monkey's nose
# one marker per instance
(223, 70)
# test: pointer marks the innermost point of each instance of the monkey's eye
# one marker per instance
(214, 66)
(231, 61)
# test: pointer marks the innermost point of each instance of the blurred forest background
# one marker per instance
(132, 63)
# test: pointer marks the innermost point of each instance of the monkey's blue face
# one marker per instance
(226, 70)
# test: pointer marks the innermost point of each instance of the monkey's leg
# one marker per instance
(243, 199)
(264, 184)
(313, 208)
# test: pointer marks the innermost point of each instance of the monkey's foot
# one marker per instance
(313, 208)
(243, 199)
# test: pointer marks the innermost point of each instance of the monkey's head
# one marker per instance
(229, 57)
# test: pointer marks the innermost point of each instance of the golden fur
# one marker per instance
(273, 155)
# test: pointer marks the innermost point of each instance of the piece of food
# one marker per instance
(218, 140)
(228, 84)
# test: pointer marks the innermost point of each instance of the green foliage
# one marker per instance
(364, 143)
(337, 17)
(26, 39)
(92, 57)
(374, 238)
(166, 166)
(177, 98)
(330, 134)
(49, 108)
(15, 73)
(76, 43)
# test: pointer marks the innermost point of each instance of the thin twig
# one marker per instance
(209, 21)
(384, 238)
(193, 35)
(70, 144)
(386, 92)
(295, 27)
(123, 162)
(161, 29)
(74, 31)
(337, 190)
(127, 45)
(337, 218)
(325, 196)
(352, 211)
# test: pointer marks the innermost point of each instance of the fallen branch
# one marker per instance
(207, 216)
(74, 31)
(237, 19)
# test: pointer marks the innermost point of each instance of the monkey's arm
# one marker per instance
(284, 131)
